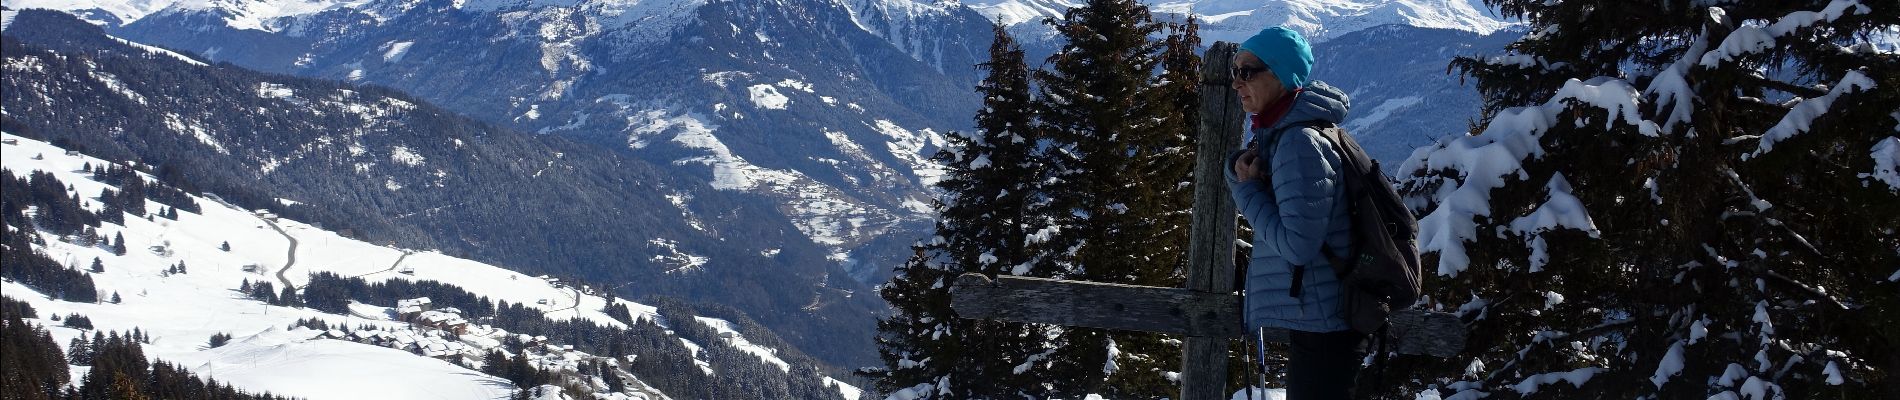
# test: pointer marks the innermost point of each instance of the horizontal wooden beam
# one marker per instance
(1429, 333)
(1163, 310)
(1097, 305)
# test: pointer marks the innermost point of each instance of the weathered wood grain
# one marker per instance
(1435, 334)
(1097, 305)
(1211, 238)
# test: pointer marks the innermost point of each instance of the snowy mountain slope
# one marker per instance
(1402, 97)
(180, 310)
(390, 167)
(769, 98)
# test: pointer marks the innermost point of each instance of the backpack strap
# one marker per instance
(1348, 171)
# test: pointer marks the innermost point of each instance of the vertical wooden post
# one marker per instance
(1211, 241)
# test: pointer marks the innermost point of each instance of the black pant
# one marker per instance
(1323, 366)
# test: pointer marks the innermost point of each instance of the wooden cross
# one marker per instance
(1207, 311)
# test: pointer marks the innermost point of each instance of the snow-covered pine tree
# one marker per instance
(991, 202)
(1115, 191)
(1673, 199)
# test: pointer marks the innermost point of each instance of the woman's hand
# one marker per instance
(1244, 169)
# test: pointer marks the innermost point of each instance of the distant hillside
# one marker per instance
(388, 168)
(196, 278)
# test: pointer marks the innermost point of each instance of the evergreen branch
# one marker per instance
(1813, 251)
(1586, 333)
(1792, 236)
(1761, 81)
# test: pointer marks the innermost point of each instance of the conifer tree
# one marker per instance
(991, 202)
(289, 298)
(98, 266)
(110, 209)
(1672, 199)
(118, 243)
(1112, 188)
(78, 352)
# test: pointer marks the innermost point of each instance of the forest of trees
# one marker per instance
(332, 293)
(58, 212)
(1079, 170)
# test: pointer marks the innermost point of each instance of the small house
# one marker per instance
(72, 152)
(407, 310)
(407, 270)
(252, 268)
(10, 141)
(445, 321)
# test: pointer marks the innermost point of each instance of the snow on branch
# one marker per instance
(1805, 111)
(1671, 88)
(1886, 156)
(1486, 161)
(1670, 366)
(1563, 210)
(1576, 378)
(1750, 39)
(1525, 61)
(1613, 95)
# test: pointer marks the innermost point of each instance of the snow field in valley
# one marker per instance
(181, 312)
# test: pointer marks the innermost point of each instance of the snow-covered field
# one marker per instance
(181, 311)
(289, 362)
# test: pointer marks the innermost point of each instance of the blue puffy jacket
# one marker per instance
(1304, 210)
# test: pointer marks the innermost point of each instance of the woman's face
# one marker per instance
(1261, 88)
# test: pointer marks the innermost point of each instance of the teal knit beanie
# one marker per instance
(1285, 52)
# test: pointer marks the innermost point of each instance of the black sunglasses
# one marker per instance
(1243, 74)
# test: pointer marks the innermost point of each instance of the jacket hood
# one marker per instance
(1318, 102)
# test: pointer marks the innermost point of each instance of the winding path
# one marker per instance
(577, 303)
(392, 266)
(292, 260)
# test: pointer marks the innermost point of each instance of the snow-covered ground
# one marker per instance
(290, 362)
(181, 311)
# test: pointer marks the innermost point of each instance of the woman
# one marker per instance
(1287, 184)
